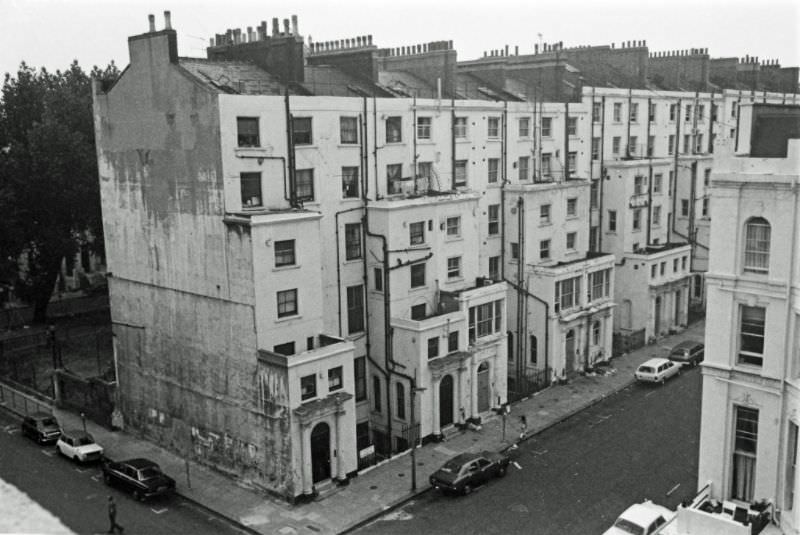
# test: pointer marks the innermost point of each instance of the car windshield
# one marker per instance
(49, 422)
(148, 473)
(85, 440)
(628, 527)
(645, 369)
(451, 467)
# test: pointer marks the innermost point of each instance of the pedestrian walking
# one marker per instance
(112, 516)
(523, 426)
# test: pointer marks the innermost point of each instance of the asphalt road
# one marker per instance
(77, 495)
(576, 477)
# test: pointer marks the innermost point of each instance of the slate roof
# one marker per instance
(235, 77)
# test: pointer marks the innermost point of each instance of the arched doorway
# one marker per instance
(446, 401)
(483, 387)
(569, 350)
(321, 452)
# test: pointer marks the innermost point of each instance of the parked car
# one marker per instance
(79, 446)
(646, 518)
(141, 477)
(688, 352)
(466, 471)
(41, 427)
(656, 370)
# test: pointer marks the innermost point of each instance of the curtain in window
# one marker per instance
(744, 475)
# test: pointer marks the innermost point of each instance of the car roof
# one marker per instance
(139, 463)
(687, 344)
(644, 513)
(462, 458)
(75, 433)
(655, 362)
(40, 415)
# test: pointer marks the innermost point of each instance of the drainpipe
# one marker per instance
(600, 203)
(452, 143)
(566, 141)
(628, 130)
(690, 230)
(375, 140)
(414, 138)
(520, 276)
(787, 336)
(364, 196)
(503, 183)
(711, 124)
(290, 153)
(674, 191)
(738, 114)
(650, 151)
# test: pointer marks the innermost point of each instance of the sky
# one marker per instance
(52, 33)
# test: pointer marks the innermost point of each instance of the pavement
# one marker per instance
(385, 486)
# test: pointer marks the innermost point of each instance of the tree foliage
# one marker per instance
(49, 185)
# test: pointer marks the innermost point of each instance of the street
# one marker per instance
(576, 477)
(77, 495)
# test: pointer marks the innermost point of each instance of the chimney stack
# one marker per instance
(286, 27)
(276, 28)
(536, 48)
(506, 52)
(516, 50)
(167, 21)
(152, 20)
(294, 25)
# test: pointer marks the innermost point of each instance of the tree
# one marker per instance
(49, 185)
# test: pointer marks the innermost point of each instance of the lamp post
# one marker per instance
(83, 419)
(414, 391)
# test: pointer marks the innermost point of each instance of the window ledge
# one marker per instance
(307, 146)
(288, 318)
(453, 280)
(286, 268)
(351, 145)
(454, 239)
(358, 260)
(546, 224)
(425, 141)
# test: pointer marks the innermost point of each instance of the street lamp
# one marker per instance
(83, 419)
(414, 390)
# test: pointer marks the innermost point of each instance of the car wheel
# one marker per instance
(467, 489)
(501, 471)
(76, 459)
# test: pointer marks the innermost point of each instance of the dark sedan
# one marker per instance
(466, 471)
(41, 427)
(140, 477)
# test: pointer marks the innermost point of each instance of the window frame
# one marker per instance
(460, 127)
(492, 170)
(544, 249)
(308, 387)
(355, 309)
(452, 226)
(307, 186)
(416, 233)
(493, 127)
(748, 351)
(333, 374)
(352, 137)
(524, 127)
(493, 214)
(353, 244)
(424, 131)
(287, 256)
(394, 129)
(350, 182)
(460, 173)
(247, 180)
(454, 267)
(756, 246)
(302, 136)
(248, 137)
(417, 275)
(282, 302)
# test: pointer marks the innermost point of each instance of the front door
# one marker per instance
(483, 387)
(321, 452)
(569, 350)
(657, 322)
(677, 320)
(446, 401)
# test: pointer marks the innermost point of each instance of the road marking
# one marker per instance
(541, 452)
(12, 431)
(159, 511)
(48, 453)
(650, 393)
(673, 489)
(605, 417)
(515, 463)
(82, 470)
(97, 477)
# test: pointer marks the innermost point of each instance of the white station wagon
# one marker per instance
(657, 370)
(79, 446)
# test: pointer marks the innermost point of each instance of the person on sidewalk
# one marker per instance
(112, 516)
(523, 430)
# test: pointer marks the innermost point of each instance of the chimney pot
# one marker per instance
(167, 20)
(506, 52)
(152, 20)
(516, 50)
(369, 40)
(276, 28)
(612, 45)
(294, 25)
(286, 27)
(536, 48)
(449, 45)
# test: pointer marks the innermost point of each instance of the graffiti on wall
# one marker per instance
(224, 448)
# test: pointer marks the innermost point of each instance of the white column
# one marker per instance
(473, 391)
(437, 429)
(340, 473)
(305, 436)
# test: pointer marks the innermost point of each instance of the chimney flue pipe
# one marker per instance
(152, 20)
(167, 20)
(294, 25)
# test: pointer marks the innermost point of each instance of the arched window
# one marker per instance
(596, 333)
(401, 400)
(756, 245)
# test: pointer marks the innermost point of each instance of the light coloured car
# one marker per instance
(646, 518)
(79, 446)
(657, 370)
